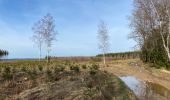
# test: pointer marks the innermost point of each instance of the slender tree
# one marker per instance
(38, 37)
(44, 33)
(49, 33)
(103, 38)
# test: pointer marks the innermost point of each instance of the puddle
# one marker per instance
(146, 90)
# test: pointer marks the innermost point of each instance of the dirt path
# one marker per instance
(142, 71)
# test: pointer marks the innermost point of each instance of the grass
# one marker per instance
(25, 79)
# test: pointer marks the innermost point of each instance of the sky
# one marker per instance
(76, 22)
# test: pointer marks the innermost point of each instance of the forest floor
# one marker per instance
(136, 68)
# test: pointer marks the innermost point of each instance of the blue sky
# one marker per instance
(76, 21)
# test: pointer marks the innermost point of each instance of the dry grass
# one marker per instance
(59, 80)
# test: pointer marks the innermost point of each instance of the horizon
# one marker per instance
(76, 23)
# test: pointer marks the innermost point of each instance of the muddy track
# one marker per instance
(140, 70)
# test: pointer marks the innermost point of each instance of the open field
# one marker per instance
(58, 80)
(75, 80)
(85, 50)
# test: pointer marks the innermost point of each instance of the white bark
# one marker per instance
(103, 40)
(40, 53)
(165, 42)
(104, 59)
(44, 33)
(48, 51)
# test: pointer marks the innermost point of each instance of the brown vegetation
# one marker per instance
(59, 80)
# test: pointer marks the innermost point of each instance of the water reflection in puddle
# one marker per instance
(146, 90)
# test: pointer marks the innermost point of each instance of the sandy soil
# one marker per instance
(135, 67)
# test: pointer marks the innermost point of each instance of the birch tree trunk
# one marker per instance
(104, 59)
(40, 54)
(48, 50)
(165, 42)
(103, 39)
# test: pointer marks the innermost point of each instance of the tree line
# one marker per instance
(150, 22)
(123, 55)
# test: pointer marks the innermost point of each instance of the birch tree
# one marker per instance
(49, 33)
(103, 38)
(44, 34)
(38, 36)
(161, 20)
(151, 28)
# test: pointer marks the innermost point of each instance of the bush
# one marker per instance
(40, 67)
(14, 70)
(75, 68)
(7, 73)
(59, 69)
(84, 66)
(62, 68)
(7, 70)
(7, 76)
(71, 67)
(32, 73)
(56, 70)
(93, 69)
(23, 68)
(67, 63)
(93, 72)
(48, 72)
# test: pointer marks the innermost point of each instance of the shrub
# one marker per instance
(93, 72)
(48, 72)
(62, 68)
(94, 67)
(71, 67)
(84, 66)
(14, 70)
(7, 73)
(56, 70)
(23, 68)
(7, 70)
(67, 63)
(32, 73)
(7, 76)
(59, 69)
(40, 67)
(75, 68)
